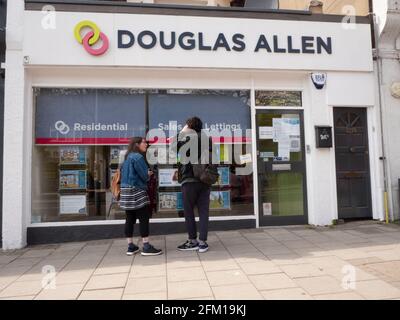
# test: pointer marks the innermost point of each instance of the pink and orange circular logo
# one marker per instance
(91, 38)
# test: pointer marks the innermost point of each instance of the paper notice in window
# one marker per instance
(267, 208)
(74, 204)
(266, 133)
(245, 158)
(295, 144)
(284, 150)
(286, 132)
(276, 129)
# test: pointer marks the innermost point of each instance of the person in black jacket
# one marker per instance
(195, 193)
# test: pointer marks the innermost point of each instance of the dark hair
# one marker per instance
(195, 124)
(134, 145)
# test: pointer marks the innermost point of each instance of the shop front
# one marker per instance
(262, 84)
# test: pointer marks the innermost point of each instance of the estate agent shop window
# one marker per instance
(80, 135)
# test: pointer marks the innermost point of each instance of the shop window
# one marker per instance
(222, 112)
(277, 98)
(80, 138)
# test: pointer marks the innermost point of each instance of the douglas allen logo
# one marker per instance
(91, 38)
(62, 127)
(201, 41)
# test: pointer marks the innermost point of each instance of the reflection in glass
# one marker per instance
(278, 98)
(283, 192)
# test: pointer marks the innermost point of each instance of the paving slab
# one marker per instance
(286, 294)
(320, 285)
(339, 296)
(260, 267)
(189, 289)
(145, 285)
(376, 290)
(196, 273)
(237, 292)
(293, 262)
(108, 294)
(302, 270)
(227, 277)
(272, 281)
(61, 292)
(23, 288)
(108, 281)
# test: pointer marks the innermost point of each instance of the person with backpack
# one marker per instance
(134, 198)
(196, 179)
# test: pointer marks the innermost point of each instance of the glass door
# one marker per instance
(281, 167)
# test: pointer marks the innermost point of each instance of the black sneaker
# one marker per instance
(203, 247)
(151, 251)
(132, 249)
(188, 246)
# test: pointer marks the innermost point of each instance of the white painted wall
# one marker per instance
(321, 173)
(355, 89)
(380, 8)
(14, 178)
(391, 116)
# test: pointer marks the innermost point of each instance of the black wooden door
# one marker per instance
(352, 163)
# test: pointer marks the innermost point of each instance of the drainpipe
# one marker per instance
(383, 157)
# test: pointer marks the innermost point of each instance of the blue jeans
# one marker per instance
(196, 194)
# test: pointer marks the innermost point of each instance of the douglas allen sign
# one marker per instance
(143, 40)
(237, 42)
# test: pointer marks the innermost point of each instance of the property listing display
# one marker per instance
(170, 198)
(173, 201)
(223, 179)
(168, 177)
(81, 137)
(116, 159)
(84, 179)
(72, 180)
(170, 201)
(72, 155)
(117, 154)
(220, 200)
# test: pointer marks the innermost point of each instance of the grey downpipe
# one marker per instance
(383, 157)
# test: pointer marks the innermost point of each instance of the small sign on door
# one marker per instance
(267, 208)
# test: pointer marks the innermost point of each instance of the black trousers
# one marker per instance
(196, 194)
(143, 214)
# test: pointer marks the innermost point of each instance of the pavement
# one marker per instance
(359, 260)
